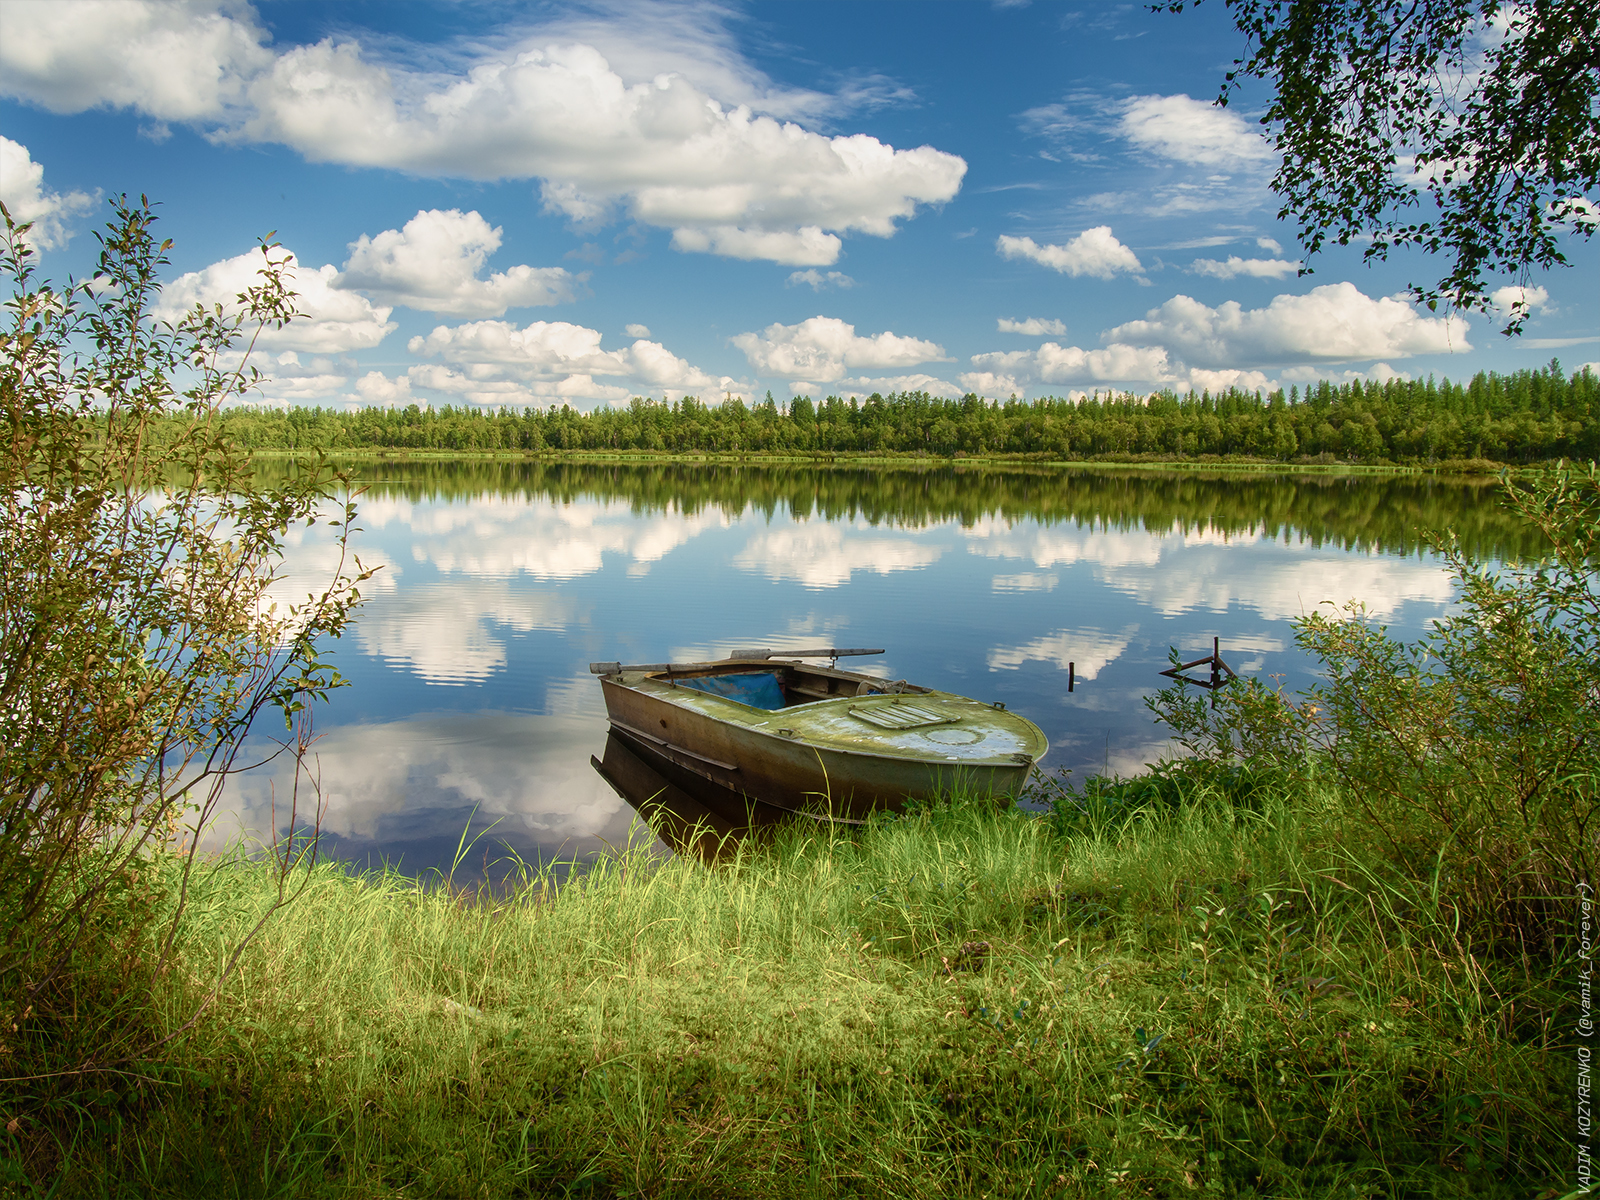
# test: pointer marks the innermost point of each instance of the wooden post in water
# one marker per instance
(1072, 674)
(1221, 672)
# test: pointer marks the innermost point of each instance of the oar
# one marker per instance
(614, 668)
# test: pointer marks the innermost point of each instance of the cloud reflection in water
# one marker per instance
(440, 630)
(405, 790)
(1175, 573)
(505, 595)
(818, 555)
(1091, 650)
(506, 535)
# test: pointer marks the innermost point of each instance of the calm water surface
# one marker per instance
(472, 704)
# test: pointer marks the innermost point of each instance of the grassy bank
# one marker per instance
(964, 1002)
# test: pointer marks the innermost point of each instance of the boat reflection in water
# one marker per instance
(691, 814)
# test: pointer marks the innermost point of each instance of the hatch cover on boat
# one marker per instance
(900, 716)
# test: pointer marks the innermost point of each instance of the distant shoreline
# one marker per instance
(1458, 467)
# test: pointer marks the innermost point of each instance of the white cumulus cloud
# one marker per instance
(335, 321)
(681, 143)
(1200, 379)
(1254, 268)
(791, 247)
(540, 345)
(817, 280)
(379, 389)
(823, 349)
(992, 384)
(183, 60)
(866, 385)
(281, 390)
(287, 379)
(433, 263)
(1054, 363)
(1332, 323)
(636, 331)
(1504, 301)
(1380, 372)
(27, 199)
(1192, 131)
(1033, 326)
(1093, 252)
(1577, 211)
(499, 362)
(698, 43)
(495, 389)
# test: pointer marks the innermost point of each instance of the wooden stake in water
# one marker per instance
(1221, 672)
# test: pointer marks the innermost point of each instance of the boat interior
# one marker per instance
(778, 685)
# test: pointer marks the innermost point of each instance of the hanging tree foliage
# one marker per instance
(1468, 128)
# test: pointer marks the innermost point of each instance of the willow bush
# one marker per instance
(1472, 754)
(139, 638)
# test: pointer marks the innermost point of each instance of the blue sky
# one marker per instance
(502, 204)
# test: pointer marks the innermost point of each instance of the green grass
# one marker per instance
(1195, 1000)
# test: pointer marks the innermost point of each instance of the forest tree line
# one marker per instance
(1524, 416)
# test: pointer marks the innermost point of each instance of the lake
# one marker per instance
(472, 707)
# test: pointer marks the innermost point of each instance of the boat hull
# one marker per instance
(686, 811)
(826, 758)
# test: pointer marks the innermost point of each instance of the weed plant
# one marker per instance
(1194, 998)
(1473, 754)
(139, 634)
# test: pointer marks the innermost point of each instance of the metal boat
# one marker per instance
(693, 815)
(813, 739)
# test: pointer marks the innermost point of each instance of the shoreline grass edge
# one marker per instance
(1205, 999)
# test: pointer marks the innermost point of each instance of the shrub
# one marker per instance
(138, 637)
(1474, 753)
